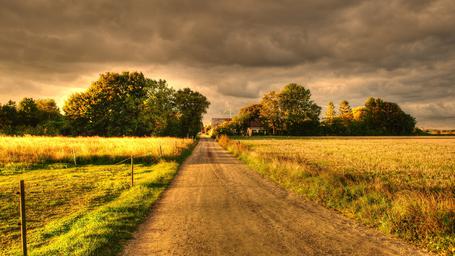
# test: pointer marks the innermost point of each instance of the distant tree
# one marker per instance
(190, 106)
(78, 115)
(330, 113)
(39, 117)
(271, 112)
(300, 113)
(330, 124)
(48, 109)
(387, 118)
(358, 126)
(8, 117)
(345, 111)
(50, 118)
(28, 112)
(358, 113)
(344, 119)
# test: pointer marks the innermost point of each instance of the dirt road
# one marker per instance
(217, 206)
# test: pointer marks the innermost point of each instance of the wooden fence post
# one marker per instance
(161, 152)
(132, 171)
(23, 223)
(74, 157)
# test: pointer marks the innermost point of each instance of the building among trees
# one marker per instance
(291, 111)
(129, 104)
(255, 127)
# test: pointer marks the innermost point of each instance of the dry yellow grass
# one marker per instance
(38, 149)
(403, 185)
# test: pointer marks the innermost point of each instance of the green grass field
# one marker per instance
(401, 185)
(85, 209)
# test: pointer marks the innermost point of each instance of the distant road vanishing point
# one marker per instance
(217, 206)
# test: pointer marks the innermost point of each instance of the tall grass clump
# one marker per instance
(403, 186)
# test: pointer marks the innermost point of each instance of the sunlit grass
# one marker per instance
(39, 149)
(84, 209)
(403, 186)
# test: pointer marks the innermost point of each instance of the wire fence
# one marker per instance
(34, 197)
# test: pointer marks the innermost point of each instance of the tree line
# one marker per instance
(117, 104)
(291, 111)
(30, 116)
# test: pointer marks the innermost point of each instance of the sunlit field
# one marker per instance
(404, 186)
(39, 150)
(84, 207)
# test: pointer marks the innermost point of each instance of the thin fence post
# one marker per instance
(23, 223)
(161, 152)
(132, 171)
(74, 157)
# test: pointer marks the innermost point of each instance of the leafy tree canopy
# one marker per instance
(131, 104)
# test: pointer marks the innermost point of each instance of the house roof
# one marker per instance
(255, 123)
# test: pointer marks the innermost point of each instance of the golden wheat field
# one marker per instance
(402, 185)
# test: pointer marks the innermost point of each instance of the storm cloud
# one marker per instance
(234, 51)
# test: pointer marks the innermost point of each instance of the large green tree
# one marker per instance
(190, 106)
(290, 111)
(111, 106)
(300, 113)
(131, 104)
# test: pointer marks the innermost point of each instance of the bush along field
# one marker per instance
(79, 198)
(402, 185)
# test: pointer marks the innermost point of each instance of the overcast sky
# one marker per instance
(234, 51)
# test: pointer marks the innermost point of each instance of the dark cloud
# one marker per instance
(233, 51)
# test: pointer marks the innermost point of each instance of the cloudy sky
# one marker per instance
(235, 51)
